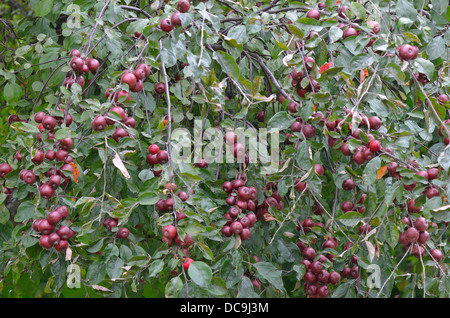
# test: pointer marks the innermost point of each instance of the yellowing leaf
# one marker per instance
(119, 165)
(381, 172)
(363, 74)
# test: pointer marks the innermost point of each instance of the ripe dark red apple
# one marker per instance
(309, 62)
(66, 143)
(412, 235)
(62, 245)
(374, 25)
(309, 253)
(43, 242)
(392, 168)
(358, 157)
(316, 267)
(45, 227)
(433, 173)
(166, 25)
(160, 88)
(319, 170)
(153, 149)
(54, 217)
(236, 227)
(35, 224)
(53, 239)
(309, 131)
(77, 64)
(436, 254)
(128, 78)
(168, 204)
(374, 146)
(313, 14)
(350, 31)
(39, 116)
(183, 6)
(46, 191)
(5, 169)
(119, 133)
(74, 53)
(138, 87)
(66, 233)
(139, 73)
(344, 12)
(162, 156)
(238, 150)
(432, 192)
(48, 122)
(309, 277)
(145, 67)
(348, 184)
(245, 233)
(407, 52)
(169, 231)
(123, 233)
(99, 123)
(93, 65)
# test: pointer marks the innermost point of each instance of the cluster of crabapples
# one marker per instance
(157, 157)
(80, 66)
(49, 150)
(242, 202)
(110, 224)
(168, 24)
(53, 232)
(415, 237)
(316, 277)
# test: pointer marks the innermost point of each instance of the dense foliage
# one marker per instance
(341, 189)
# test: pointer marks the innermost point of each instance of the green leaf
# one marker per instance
(303, 156)
(246, 289)
(43, 7)
(238, 33)
(405, 9)
(147, 198)
(200, 273)
(425, 66)
(350, 218)
(358, 10)
(269, 272)
(25, 211)
(12, 92)
(281, 120)
(228, 64)
(155, 268)
(436, 48)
